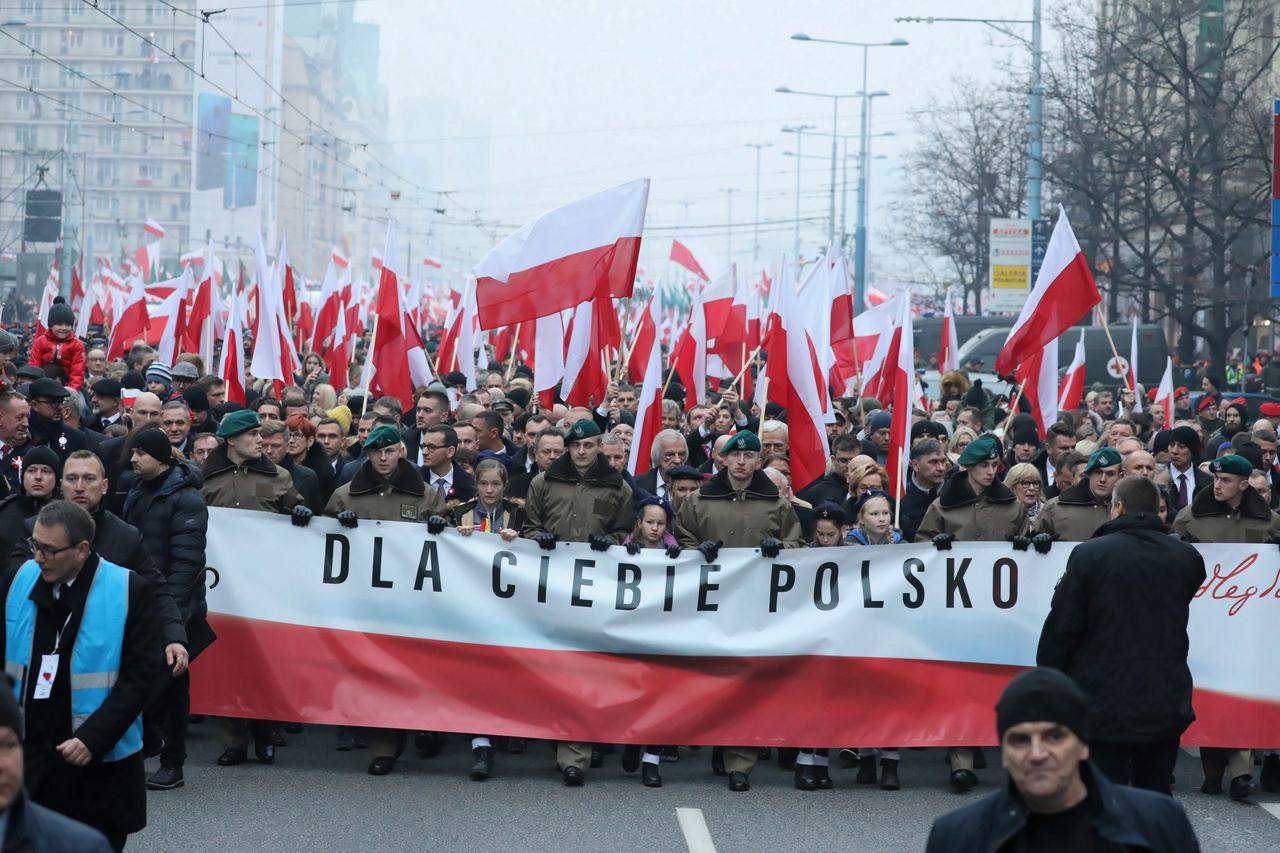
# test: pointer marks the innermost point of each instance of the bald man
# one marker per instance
(1139, 463)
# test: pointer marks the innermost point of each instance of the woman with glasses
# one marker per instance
(1027, 485)
(300, 444)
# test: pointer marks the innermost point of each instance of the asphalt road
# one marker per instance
(317, 799)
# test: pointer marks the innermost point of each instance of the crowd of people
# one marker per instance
(108, 468)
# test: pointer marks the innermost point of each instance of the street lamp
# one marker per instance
(1035, 104)
(860, 229)
(755, 247)
(835, 129)
(798, 130)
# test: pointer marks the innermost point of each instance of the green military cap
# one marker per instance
(1232, 463)
(1103, 457)
(582, 429)
(239, 421)
(382, 436)
(744, 440)
(870, 404)
(981, 449)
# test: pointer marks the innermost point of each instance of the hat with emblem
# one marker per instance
(238, 422)
(744, 440)
(1231, 463)
(1103, 457)
(382, 436)
(981, 449)
(582, 430)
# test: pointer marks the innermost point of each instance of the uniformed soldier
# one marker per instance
(1075, 514)
(1230, 511)
(975, 506)
(739, 508)
(579, 498)
(238, 475)
(386, 487)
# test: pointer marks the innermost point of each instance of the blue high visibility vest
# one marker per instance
(95, 655)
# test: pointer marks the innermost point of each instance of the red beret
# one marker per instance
(1151, 395)
(1270, 410)
(1205, 403)
(1180, 390)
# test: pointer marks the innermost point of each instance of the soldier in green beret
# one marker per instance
(1230, 511)
(973, 505)
(739, 507)
(579, 498)
(1080, 510)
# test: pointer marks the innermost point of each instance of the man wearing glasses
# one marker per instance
(454, 485)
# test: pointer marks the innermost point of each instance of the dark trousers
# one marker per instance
(1140, 765)
(171, 711)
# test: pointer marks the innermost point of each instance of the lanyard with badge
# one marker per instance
(49, 664)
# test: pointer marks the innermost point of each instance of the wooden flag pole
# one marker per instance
(745, 365)
(373, 343)
(511, 362)
(1128, 374)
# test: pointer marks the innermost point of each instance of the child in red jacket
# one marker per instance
(58, 345)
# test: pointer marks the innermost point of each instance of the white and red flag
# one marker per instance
(388, 362)
(646, 337)
(585, 250)
(949, 347)
(593, 333)
(274, 357)
(900, 376)
(174, 310)
(331, 309)
(201, 325)
(689, 356)
(153, 229)
(1163, 399)
(231, 365)
(549, 356)
(648, 421)
(682, 255)
(1071, 389)
(49, 294)
(1133, 366)
(1065, 291)
(873, 331)
(1038, 378)
(131, 322)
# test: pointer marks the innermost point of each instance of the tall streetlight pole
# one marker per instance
(835, 129)
(755, 240)
(1035, 105)
(860, 230)
(798, 130)
(729, 191)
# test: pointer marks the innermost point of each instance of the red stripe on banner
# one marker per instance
(608, 271)
(274, 670)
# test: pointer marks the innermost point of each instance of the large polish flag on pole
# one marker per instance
(949, 358)
(900, 375)
(1133, 366)
(174, 308)
(231, 365)
(387, 365)
(1038, 378)
(1164, 394)
(131, 322)
(1071, 391)
(1065, 291)
(648, 421)
(873, 330)
(585, 250)
(548, 354)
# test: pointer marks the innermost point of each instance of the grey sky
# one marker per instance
(581, 96)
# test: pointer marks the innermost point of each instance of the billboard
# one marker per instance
(1009, 265)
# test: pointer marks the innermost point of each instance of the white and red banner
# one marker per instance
(387, 626)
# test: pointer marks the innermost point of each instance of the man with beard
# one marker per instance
(47, 430)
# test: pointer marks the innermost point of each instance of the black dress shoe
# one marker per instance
(738, 781)
(346, 740)
(1241, 787)
(650, 775)
(231, 757)
(963, 781)
(165, 779)
(1212, 787)
(803, 778)
(264, 750)
(717, 760)
(597, 759)
(889, 775)
(1270, 776)
(574, 778)
(822, 778)
(483, 768)
(630, 758)
(382, 765)
(848, 758)
(867, 768)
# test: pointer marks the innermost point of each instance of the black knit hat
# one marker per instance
(43, 456)
(60, 313)
(154, 443)
(1043, 695)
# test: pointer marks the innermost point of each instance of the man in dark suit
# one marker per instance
(1185, 478)
(547, 448)
(669, 450)
(275, 445)
(454, 485)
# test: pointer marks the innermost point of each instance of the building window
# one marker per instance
(149, 172)
(29, 71)
(72, 9)
(30, 37)
(113, 40)
(68, 74)
(32, 10)
(72, 39)
(25, 135)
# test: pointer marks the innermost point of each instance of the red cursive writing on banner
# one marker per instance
(1220, 587)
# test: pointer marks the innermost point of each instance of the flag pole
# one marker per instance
(1128, 375)
(746, 363)
(623, 359)
(373, 342)
(511, 362)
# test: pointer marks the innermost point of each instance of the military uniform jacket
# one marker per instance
(1073, 515)
(993, 516)
(401, 497)
(257, 484)
(1210, 520)
(718, 513)
(571, 506)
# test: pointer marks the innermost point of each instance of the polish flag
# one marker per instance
(1164, 394)
(131, 322)
(645, 338)
(200, 332)
(949, 356)
(88, 306)
(466, 346)
(549, 356)
(585, 376)
(717, 301)
(844, 348)
(1133, 366)
(689, 357)
(900, 376)
(338, 258)
(683, 255)
(231, 364)
(1065, 291)
(77, 287)
(288, 288)
(432, 263)
(648, 421)
(273, 354)
(1038, 378)
(419, 368)
(794, 380)
(175, 308)
(147, 257)
(873, 331)
(387, 367)
(337, 355)
(1071, 390)
(46, 301)
(582, 251)
(153, 229)
(331, 308)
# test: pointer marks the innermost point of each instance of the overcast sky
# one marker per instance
(581, 96)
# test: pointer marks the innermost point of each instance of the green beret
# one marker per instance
(1232, 463)
(870, 404)
(745, 440)
(580, 430)
(981, 449)
(1103, 457)
(382, 436)
(239, 421)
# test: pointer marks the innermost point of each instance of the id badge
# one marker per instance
(44, 679)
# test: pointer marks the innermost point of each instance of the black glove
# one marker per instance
(633, 547)
(1043, 542)
(710, 550)
(546, 541)
(943, 541)
(1020, 543)
(599, 542)
(436, 524)
(770, 547)
(348, 518)
(301, 516)
(673, 551)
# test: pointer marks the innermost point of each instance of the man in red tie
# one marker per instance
(15, 438)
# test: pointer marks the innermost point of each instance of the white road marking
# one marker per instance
(1272, 808)
(696, 834)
